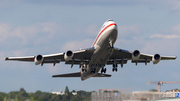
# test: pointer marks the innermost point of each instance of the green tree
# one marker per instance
(66, 90)
(22, 95)
(22, 90)
(115, 91)
(73, 91)
(55, 97)
(153, 90)
(2, 96)
(37, 95)
(83, 95)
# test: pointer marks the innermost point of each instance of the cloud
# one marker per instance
(29, 33)
(17, 41)
(164, 36)
(93, 29)
(171, 33)
(162, 46)
(166, 43)
(11, 64)
(88, 30)
(76, 45)
(174, 5)
(176, 29)
(129, 30)
(4, 31)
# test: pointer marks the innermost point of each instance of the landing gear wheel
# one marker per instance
(116, 69)
(101, 71)
(105, 70)
(93, 70)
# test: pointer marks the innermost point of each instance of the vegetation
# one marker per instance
(22, 95)
(153, 90)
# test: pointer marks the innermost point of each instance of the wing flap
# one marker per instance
(141, 61)
(121, 53)
(168, 57)
(52, 61)
(118, 61)
(76, 62)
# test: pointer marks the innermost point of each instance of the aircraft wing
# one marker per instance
(56, 58)
(78, 74)
(144, 58)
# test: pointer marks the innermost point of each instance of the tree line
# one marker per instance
(22, 95)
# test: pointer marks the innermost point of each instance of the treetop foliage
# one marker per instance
(22, 95)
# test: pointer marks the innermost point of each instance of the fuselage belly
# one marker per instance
(103, 50)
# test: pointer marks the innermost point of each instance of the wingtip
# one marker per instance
(54, 76)
(5, 58)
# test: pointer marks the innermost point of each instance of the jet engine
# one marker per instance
(38, 59)
(156, 58)
(135, 55)
(68, 55)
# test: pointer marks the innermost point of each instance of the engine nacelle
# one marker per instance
(156, 58)
(38, 59)
(135, 55)
(68, 55)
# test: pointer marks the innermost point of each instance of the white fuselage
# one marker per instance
(103, 50)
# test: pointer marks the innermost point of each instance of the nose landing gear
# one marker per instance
(103, 70)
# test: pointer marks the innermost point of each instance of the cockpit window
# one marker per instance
(109, 20)
(106, 22)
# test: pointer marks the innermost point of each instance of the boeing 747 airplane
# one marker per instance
(92, 60)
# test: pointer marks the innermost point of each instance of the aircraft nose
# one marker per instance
(115, 26)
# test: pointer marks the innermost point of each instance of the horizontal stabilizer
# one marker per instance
(102, 75)
(78, 74)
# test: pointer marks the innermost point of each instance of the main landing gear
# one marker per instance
(114, 67)
(103, 70)
(93, 70)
